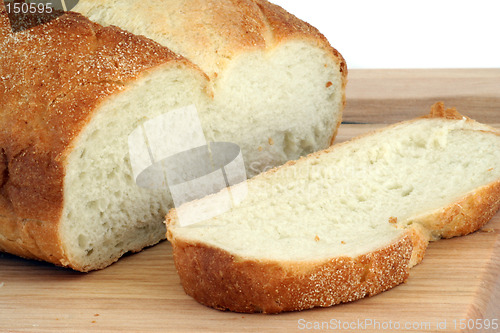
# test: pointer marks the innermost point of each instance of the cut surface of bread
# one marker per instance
(277, 84)
(72, 91)
(336, 211)
(105, 212)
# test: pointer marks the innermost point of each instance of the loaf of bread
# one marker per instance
(72, 91)
(344, 223)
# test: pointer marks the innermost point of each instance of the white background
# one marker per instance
(407, 34)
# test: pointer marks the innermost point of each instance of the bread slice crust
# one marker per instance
(226, 282)
(218, 279)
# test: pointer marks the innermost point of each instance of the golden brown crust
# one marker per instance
(439, 111)
(52, 79)
(420, 237)
(218, 279)
(461, 218)
(464, 216)
(224, 29)
(4, 21)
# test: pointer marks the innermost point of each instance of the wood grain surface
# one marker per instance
(388, 96)
(459, 279)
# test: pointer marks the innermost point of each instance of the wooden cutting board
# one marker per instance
(457, 284)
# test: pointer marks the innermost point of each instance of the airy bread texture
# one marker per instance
(71, 91)
(273, 77)
(344, 223)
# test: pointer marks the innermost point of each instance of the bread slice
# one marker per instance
(72, 91)
(344, 223)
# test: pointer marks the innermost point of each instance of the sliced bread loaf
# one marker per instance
(344, 223)
(72, 91)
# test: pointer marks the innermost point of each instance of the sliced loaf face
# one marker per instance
(277, 84)
(105, 213)
(345, 203)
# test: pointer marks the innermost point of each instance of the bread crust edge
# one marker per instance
(218, 279)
